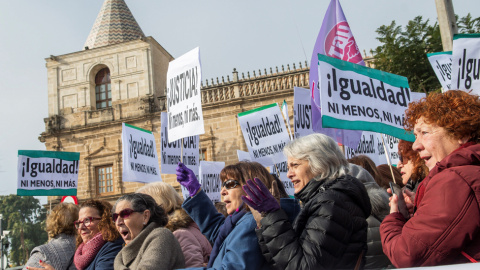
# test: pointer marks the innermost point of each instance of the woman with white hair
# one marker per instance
(330, 232)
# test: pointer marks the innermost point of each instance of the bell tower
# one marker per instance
(118, 76)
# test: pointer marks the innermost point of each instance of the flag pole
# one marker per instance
(388, 158)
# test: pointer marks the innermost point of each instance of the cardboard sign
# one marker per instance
(210, 179)
(361, 98)
(265, 134)
(47, 173)
(140, 159)
(171, 152)
(442, 65)
(466, 62)
(184, 102)
(302, 112)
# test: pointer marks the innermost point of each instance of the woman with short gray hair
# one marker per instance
(330, 232)
(148, 244)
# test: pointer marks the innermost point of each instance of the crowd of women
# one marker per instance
(341, 217)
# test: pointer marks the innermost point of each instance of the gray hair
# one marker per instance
(324, 157)
(141, 202)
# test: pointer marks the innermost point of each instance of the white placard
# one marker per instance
(371, 146)
(361, 98)
(466, 62)
(442, 65)
(47, 173)
(210, 178)
(302, 112)
(140, 159)
(184, 102)
(265, 134)
(242, 156)
(282, 173)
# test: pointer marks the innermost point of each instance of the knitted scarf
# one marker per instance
(86, 252)
(227, 227)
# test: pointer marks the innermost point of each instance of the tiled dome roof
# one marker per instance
(114, 24)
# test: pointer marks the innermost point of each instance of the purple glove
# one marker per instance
(259, 197)
(187, 178)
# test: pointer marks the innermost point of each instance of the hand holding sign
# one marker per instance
(187, 178)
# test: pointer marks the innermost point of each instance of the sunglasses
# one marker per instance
(125, 213)
(230, 183)
(86, 221)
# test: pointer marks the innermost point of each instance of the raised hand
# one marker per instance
(259, 198)
(187, 178)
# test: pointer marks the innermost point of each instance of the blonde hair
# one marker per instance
(61, 220)
(164, 194)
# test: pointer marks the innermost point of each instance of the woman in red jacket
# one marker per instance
(445, 227)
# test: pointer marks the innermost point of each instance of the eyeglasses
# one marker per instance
(125, 213)
(86, 221)
(230, 183)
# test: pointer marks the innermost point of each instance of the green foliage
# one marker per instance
(25, 218)
(404, 52)
(468, 25)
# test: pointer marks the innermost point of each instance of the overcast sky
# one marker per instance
(246, 35)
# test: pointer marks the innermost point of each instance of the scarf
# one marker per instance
(86, 252)
(225, 229)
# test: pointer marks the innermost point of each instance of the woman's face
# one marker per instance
(232, 197)
(130, 226)
(405, 170)
(299, 173)
(88, 232)
(433, 143)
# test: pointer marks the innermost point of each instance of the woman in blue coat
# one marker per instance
(235, 244)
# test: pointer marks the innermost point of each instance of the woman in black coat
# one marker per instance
(330, 232)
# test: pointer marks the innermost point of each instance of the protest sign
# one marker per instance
(47, 173)
(171, 152)
(287, 117)
(242, 155)
(184, 102)
(265, 134)
(466, 62)
(442, 65)
(362, 98)
(371, 146)
(140, 160)
(210, 178)
(281, 171)
(302, 124)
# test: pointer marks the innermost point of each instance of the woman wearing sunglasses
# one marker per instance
(235, 242)
(98, 241)
(148, 244)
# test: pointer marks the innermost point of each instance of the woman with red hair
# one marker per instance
(445, 226)
(411, 166)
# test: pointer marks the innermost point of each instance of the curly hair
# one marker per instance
(420, 170)
(141, 202)
(106, 225)
(61, 220)
(456, 111)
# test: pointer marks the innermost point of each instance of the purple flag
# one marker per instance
(335, 39)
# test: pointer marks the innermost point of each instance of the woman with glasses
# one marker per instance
(196, 248)
(148, 244)
(235, 242)
(98, 242)
(59, 250)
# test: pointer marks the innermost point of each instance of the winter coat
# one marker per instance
(330, 232)
(106, 255)
(447, 217)
(58, 252)
(195, 246)
(374, 258)
(154, 247)
(240, 249)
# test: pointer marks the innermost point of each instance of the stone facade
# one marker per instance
(138, 73)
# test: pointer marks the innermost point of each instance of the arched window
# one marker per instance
(103, 89)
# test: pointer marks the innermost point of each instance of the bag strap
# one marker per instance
(359, 260)
(469, 257)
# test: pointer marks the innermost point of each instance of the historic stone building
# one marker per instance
(120, 76)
